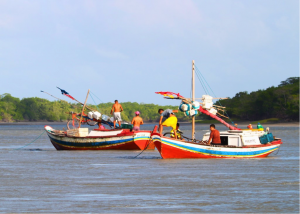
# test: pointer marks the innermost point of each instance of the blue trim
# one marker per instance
(213, 152)
(141, 137)
(104, 143)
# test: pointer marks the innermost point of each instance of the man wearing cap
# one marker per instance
(137, 121)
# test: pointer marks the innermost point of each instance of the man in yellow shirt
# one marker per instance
(171, 120)
(137, 121)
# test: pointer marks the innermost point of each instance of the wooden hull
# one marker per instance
(177, 149)
(128, 141)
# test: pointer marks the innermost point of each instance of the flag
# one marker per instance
(170, 94)
(65, 93)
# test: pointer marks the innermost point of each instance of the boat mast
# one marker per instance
(193, 98)
(83, 108)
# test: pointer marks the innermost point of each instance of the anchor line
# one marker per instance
(31, 142)
(148, 143)
(277, 150)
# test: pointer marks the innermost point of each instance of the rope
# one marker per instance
(31, 142)
(197, 70)
(145, 148)
(277, 150)
(97, 97)
(94, 101)
(102, 121)
(202, 82)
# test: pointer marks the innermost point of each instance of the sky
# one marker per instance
(129, 49)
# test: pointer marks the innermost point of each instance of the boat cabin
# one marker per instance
(238, 138)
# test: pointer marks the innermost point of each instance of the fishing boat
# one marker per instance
(235, 143)
(115, 139)
(78, 138)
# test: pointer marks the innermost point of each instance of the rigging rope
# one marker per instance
(106, 122)
(202, 83)
(97, 97)
(198, 71)
(94, 101)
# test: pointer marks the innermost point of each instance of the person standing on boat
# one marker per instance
(214, 138)
(137, 121)
(116, 111)
(171, 120)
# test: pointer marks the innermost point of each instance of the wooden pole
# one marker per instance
(193, 97)
(83, 108)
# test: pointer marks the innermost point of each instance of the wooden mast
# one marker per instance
(193, 97)
(83, 108)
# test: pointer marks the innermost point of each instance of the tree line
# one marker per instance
(38, 109)
(280, 102)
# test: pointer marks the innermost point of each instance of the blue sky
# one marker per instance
(127, 50)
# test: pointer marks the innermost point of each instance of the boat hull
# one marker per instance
(177, 149)
(129, 141)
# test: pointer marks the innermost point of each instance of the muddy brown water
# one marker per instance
(37, 178)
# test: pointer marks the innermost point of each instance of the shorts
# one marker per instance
(117, 116)
(170, 122)
(136, 128)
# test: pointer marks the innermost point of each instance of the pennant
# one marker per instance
(65, 93)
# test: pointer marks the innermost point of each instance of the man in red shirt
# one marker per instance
(214, 136)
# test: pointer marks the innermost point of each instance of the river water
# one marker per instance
(37, 178)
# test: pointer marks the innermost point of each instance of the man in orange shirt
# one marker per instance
(116, 110)
(214, 136)
(137, 121)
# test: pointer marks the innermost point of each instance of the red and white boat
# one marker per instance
(235, 143)
(243, 144)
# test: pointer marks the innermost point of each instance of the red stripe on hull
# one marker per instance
(142, 144)
(124, 146)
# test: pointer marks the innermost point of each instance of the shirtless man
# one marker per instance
(137, 121)
(116, 110)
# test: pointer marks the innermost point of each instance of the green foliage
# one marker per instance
(37, 109)
(275, 102)
(280, 102)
